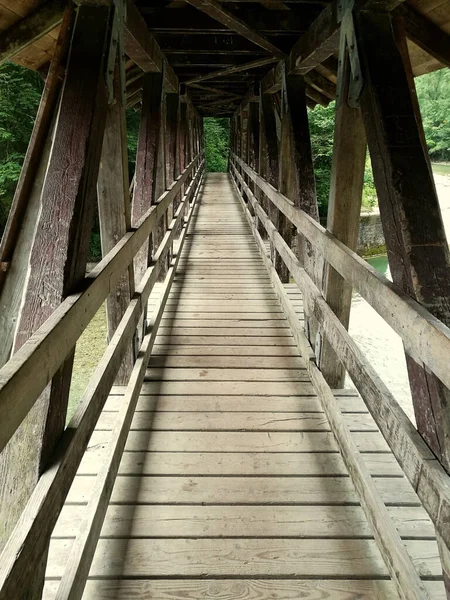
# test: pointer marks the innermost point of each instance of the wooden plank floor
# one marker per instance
(231, 485)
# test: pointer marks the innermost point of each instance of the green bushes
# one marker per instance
(217, 135)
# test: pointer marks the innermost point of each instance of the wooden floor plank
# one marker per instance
(226, 404)
(245, 589)
(239, 421)
(251, 464)
(255, 558)
(241, 490)
(244, 521)
(224, 374)
(249, 441)
(231, 484)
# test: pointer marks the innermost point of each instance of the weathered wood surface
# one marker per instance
(33, 366)
(424, 336)
(416, 242)
(211, 446)
(114, 209)
(57, 260)
(47, 499)
(77, 568)
(344, 207)
(416, 459)
(148, 149)
(396, 558)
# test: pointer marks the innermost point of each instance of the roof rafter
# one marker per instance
(216, 11)
(235, 69)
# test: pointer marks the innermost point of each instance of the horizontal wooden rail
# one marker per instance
(425, 338)
(30, 537)
(426, 475)
(26, 374)
(76, 571)
(388, 540)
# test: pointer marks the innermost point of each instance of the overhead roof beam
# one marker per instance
(216, 11)
(30, 29)
(235, 69)
(426, 34)
(144, 50)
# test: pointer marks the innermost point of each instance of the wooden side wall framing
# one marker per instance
(385, 111)
(46, 299)
(82, 118)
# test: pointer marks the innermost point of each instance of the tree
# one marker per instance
(433, 91)
(20, 93)
(217, 135)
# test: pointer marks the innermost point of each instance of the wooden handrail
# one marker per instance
(426, 475)
(26, 374)
(30, 537)
(425, 337)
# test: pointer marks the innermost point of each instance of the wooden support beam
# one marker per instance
(318, 43)
(261, 62)
(270, 155)
(344, 208)
(20, 227)
(143, 49)
(411, 218)
(30, 29)
(398, 562)
(115, 212)
(147, 161)
(217, 12)
(425, 34)
(297, 180)
(59, 253)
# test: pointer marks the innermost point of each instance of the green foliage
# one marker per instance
(217, 135)
(321, 125)
(433, 91)
(20, 93)
(133, 117)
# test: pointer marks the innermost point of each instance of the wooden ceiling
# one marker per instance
(222, 50)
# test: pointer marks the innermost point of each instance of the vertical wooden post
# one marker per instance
(412, 223)
(270, 158)
(253, 147)
(172, 159)
(115, 211)
(297, 179)
(147, 161)
(60, 250)
(344, 206)
(161, 186)
(182, 134)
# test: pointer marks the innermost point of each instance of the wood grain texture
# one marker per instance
(248, 589)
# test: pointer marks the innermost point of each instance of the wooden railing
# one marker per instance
(28, 372)
(425, 338)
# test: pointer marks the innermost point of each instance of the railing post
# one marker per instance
(59, 252)
(297, 180)
(270, 165)
(148, 149)
(344, 207)
(172, 159)
(114, 207)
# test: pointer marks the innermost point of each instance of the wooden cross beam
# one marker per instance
(216, 11)
(31, 28)
(235, 69)
(426, 34)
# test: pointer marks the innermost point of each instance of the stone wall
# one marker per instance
(370, 237)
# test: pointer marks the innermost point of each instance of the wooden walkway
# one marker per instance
(231, 485)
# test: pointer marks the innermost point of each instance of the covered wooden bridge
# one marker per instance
(215, 452)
